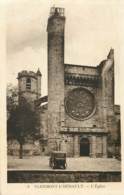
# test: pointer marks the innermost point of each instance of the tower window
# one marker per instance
(28, 83)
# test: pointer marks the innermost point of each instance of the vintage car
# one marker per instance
(58, 160)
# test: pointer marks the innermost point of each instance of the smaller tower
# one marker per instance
(107, 77)
(29, 84)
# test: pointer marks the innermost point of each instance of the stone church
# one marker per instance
(79, 115)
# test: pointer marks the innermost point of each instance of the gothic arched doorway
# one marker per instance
(84, 147)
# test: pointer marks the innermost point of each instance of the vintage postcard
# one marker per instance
(62, 110)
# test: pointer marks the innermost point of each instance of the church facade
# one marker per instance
(78, 116)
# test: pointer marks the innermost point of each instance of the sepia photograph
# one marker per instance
(63, 103)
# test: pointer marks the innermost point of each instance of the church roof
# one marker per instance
(85, 66)
(41, 100)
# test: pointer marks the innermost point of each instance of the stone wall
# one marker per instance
(81, 69)
(62, 176)
(29, 149)
(44, 129)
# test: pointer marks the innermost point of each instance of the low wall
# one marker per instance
(62, 176)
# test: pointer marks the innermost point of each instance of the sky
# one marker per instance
(91, 29)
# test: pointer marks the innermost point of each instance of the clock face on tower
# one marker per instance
(80, 104)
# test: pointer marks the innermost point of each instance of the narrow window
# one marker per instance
(28, 83)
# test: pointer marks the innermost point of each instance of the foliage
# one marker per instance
(23, 122)
(12, 96)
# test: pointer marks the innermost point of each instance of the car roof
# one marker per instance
(58, 152)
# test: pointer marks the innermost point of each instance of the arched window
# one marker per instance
(28, 83)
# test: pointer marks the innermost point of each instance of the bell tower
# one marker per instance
(29, 84)
(55, 29)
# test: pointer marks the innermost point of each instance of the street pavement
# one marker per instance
(73, 164)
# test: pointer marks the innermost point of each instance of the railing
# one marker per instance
(56, 11)
(83, 129)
